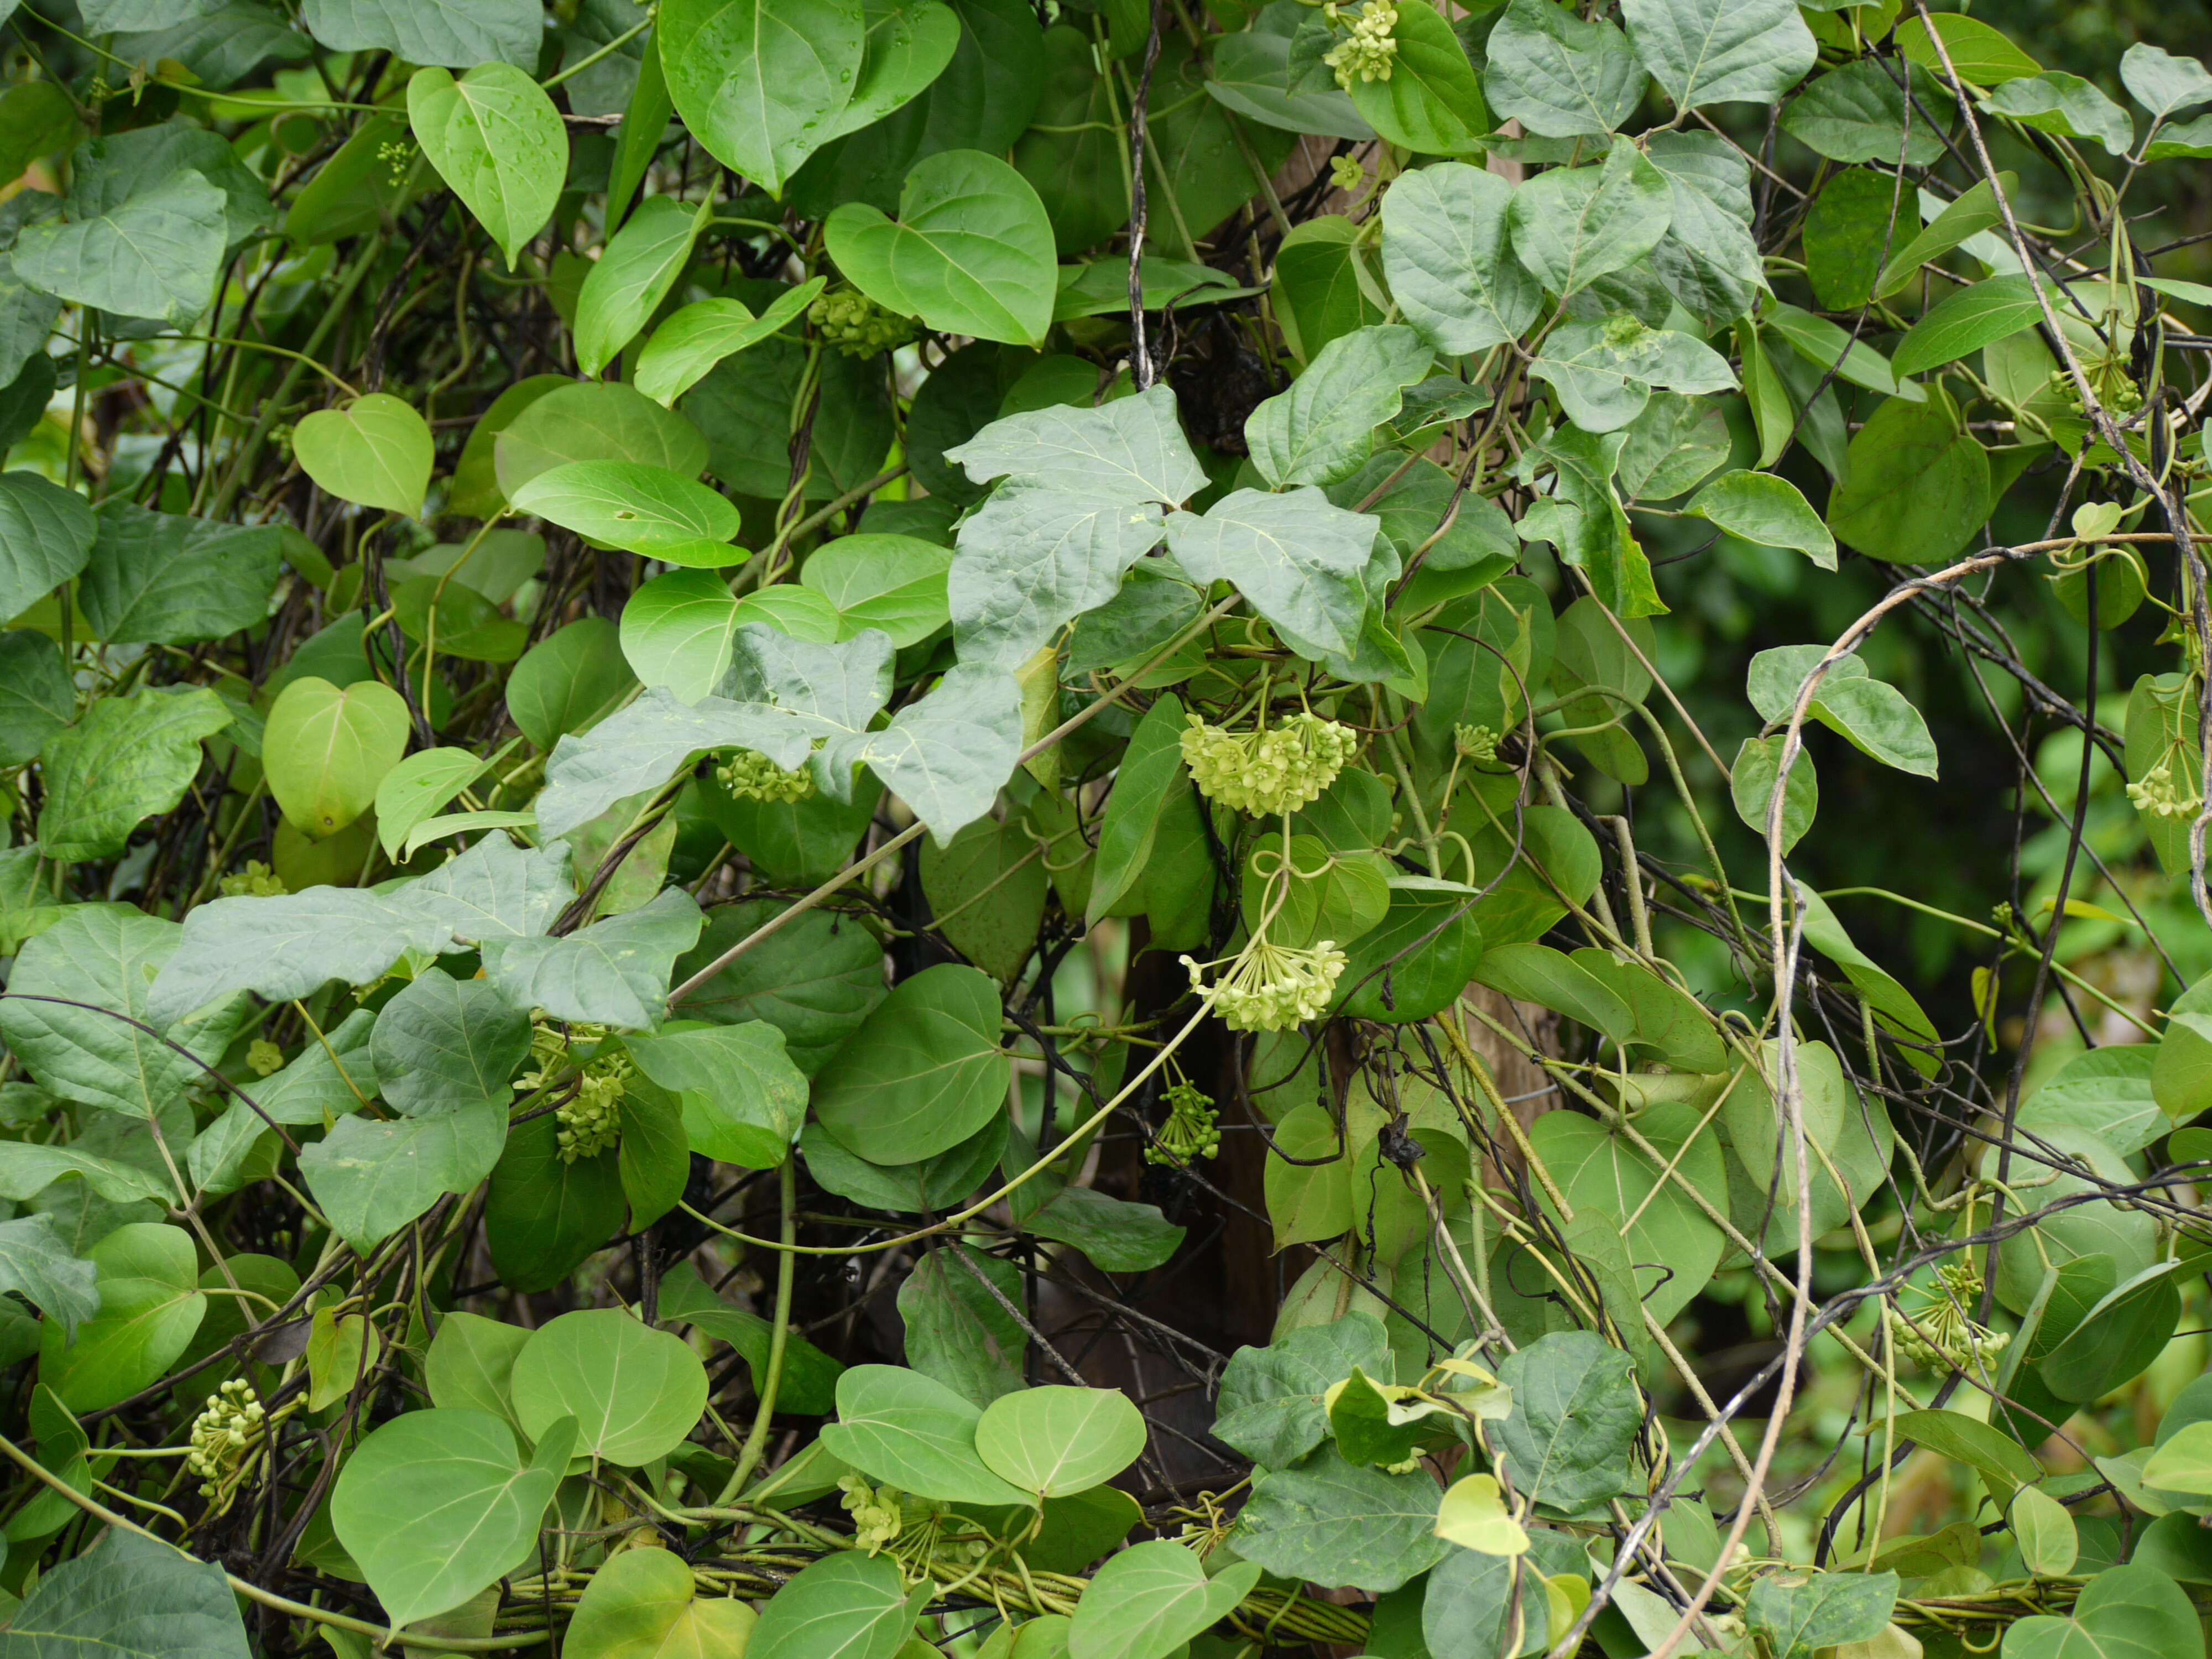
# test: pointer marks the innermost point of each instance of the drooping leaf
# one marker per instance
(1444, 249)
(495, 138)
(916, 1435)
(326, 749)
(165, 578)
(1148, 1600)
(759, 81)
(614, 972)
(46, 535)
(126, 1595)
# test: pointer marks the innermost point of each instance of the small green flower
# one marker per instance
(225, 1431)
(265, 1057)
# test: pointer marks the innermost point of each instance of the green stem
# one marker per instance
(779, 1334)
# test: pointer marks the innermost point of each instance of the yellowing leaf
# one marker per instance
(1473, 1516)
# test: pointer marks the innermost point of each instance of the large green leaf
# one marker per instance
(894, 583)
(546, 1215)
(495, 138)
(1323, 428)
(586, 422)
(1349, 1524)
(1444, 251)
(677, 633)
(923, 1073)
(970, 253)
(153, 251)
(2124, 1612)
(446, 32)
(149, 1305)
(104, 957)
(376, 452)
(701, 335)
(1431, 103)
(1770, 511)
(128, 1597)
(1300, 560)
(642, 1604)
(373, 1177)
(36, 1265)
(1056, 1441)
(1721, 52)
(635, 1391)
(614, 972)
(846, 1605)
(1575, 1413)
(815, 979)
(37, 696)
(46, 535)
(759, 83)
(957, 1331)
(1966, 321)
(443, 1044)
(919, 1436)
(1573, 225)
(568, 682)
(634, 275)
(908, 45)
(165, 578)
(1802, 1612)
(437, 1504)
(127, 760)
(325, 750)
(1271, 1401)
(1559, 76)
(1918, 487)
(743, 1098)
(628, 504)
(1151, 1599)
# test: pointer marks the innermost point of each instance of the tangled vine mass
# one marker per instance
(1104, 828)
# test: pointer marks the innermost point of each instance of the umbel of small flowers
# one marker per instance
(1270, 771)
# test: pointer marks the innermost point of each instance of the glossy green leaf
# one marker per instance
(706, 333)
(643, 1604)
(923, 1073)
(629, 504)
(761, 82)
(495, 138)
(634, 1392)
(1151, 1599)
(919, 1436)
(743, 1098)
(326, 749)
(150, 1304)
(970, 253)
(437, 1504)
(845, 1606)
(1056, 1441)
(638, 271)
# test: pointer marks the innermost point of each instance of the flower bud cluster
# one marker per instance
(255, 881)
(1476, 743)
(1369, 52)
(592, 1121)
(1192, 1130)
(1268, 772)
(221, 1434)
(752, 775)
(1272, 988)
(1941, 1336)
(849, 320)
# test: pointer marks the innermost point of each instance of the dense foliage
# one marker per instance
(838, 829)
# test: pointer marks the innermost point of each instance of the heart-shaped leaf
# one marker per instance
(495, 138)
(971, 252)
(630, 505)
(375, 452)
(325, 750)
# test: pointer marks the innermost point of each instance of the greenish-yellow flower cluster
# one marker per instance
(1270, 987)
(1371, 51)
(1271, 771)
(1942, 1336)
